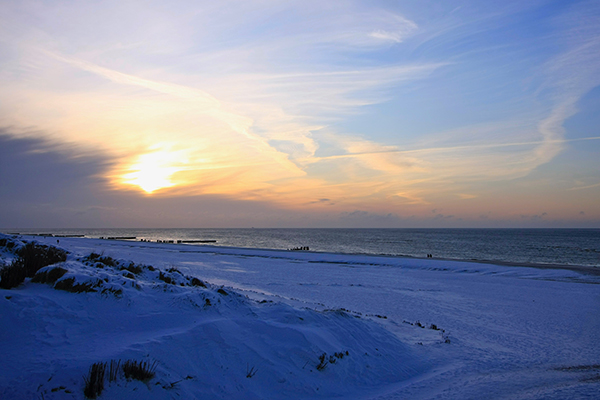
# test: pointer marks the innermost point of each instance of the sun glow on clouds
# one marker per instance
(258, 114)
(153, 171)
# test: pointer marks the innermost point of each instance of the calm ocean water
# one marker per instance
(545, 246)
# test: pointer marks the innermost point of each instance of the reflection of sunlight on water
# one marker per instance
(153, 171)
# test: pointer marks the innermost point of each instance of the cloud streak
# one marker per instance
(285, 103)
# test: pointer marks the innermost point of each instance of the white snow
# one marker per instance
(504, 332)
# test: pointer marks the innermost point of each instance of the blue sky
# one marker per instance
(324, 114)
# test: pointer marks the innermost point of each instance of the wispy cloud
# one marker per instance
(569, 76)
(239, 128)
(585, 187)
(252, 100)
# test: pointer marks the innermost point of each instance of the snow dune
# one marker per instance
(275, 324)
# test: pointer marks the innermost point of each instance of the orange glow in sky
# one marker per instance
(152, 171)
(377, 110)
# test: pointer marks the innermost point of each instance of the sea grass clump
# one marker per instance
(30, 259)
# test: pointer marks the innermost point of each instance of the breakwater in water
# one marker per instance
(536, 246)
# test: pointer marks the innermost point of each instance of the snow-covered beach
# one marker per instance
(389, 327)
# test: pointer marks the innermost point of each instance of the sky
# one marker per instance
(392, 114)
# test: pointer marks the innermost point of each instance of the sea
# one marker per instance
(573, 247)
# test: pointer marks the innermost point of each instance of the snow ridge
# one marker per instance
(207, 341)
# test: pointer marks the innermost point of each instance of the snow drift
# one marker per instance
(205, 341)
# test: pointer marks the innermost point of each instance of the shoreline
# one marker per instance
(583, 269)
(591, 270)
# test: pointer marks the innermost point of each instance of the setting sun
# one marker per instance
(153, 171)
